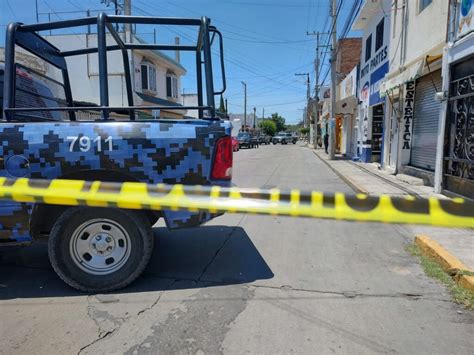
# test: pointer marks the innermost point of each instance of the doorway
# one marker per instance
(377, 132)
(393, 135)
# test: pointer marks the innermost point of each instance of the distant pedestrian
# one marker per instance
(326, 142)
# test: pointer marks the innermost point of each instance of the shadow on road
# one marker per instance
(204, 256)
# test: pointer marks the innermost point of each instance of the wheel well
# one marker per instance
(44, 216)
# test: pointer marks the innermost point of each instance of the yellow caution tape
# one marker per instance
(132, 195)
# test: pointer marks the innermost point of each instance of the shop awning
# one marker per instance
(409, 74)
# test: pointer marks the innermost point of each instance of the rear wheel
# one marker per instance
(99, 249)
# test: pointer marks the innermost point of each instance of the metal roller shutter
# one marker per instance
(425, 122)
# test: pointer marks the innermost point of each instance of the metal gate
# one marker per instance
(425, 122)
(459, 148)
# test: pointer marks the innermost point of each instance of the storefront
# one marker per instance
(412, 119)
(372, 113)
(375, 25)
(459, 149)
(455, 163)
(425, 121)
(346, 112)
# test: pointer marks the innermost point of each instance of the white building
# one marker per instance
(346, 106)
(418, 35)
(374, 22)
(190, 100)
(325, 103)
(155, 76)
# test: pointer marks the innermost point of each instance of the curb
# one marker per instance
(352, 185)
(452, 265)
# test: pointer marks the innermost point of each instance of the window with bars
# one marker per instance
(379, 35)
(368, 48)
(171, 86)
(148, 74)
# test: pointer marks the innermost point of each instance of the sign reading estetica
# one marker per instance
(408, 113)
(407, 123)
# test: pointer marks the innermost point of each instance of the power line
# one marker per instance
(273, 4)
(270, 42)
(180, 32)
(253, 32)
(338, 9)
(233, 61)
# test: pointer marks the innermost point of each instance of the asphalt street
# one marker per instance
(245, 284)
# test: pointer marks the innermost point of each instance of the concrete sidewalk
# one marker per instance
(369, 179)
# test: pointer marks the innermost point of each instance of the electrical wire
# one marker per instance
(272, 4)
(253, 32)
(233, 61)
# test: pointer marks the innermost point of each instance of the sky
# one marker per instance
(265, 42)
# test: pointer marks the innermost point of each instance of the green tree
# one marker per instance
(222, 105)
(304, 130)
(268, 127)
(279, 122)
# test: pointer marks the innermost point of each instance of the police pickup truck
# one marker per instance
(44, 134)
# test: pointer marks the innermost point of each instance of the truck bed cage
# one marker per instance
(26, 37)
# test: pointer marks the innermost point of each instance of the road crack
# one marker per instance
(217, 253)
(103, 336)
(347, 294)
(151, 306)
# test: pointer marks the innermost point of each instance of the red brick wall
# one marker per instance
(348, 56)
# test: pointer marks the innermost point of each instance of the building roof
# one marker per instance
(368, 9)
(156, 100)
(162, 55)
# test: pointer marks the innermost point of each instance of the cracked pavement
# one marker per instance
(245, 284)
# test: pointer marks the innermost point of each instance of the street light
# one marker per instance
(245, 105)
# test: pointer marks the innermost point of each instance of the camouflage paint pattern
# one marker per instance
(171, 152)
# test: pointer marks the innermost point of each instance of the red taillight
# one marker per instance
(222, 168)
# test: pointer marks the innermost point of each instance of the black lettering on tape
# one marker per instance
(365, 204)
(411, 206)
(329, 200)
(457, 209)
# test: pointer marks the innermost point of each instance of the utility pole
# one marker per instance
(127, 11)
(317, 87)
(308, 97)
(245, 105)
(36, 10)
(254, 118)
(118, 6)
(263, 113)
(316, 94)
(332, 119)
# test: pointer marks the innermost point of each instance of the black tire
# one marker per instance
(140, 246)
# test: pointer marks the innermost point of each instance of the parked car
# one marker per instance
(293, 138)
(98, 249)
(244, 140)
(264, 139)
(281, 138)
(254, 140)
(235, 144)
